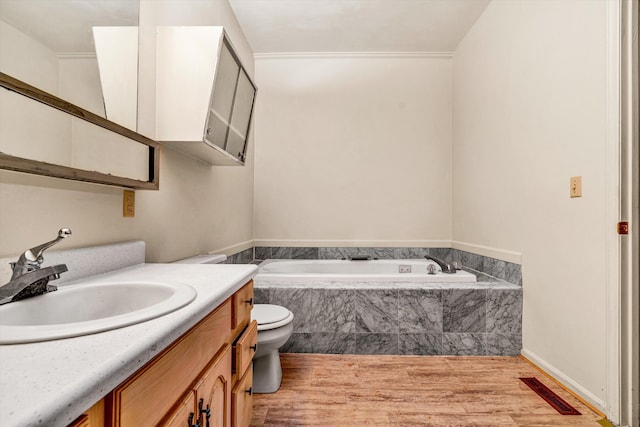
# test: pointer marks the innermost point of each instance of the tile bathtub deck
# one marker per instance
(355, 390)
(395, 318)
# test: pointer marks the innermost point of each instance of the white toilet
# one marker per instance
(275, 325)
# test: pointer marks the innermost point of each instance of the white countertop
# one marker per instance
(51, 383)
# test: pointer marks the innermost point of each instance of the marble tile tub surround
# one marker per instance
(438, 321)
(483, 318)
(496, 268)
(243, 257)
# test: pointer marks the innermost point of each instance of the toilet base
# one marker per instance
(267, 373)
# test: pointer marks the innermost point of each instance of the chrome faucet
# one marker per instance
(445, 266)
(28, 279)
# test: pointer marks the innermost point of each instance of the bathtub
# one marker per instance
(370, 307)
(344, 271)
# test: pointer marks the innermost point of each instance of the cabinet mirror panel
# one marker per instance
(83, 51)
(231, 106)
(68, 92)
(240, 116)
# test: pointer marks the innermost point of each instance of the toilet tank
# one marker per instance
(203, 259)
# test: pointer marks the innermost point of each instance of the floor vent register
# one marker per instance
(550, 397)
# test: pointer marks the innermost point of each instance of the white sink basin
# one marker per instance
(89, 308)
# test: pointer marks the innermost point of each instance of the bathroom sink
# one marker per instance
(84, 309)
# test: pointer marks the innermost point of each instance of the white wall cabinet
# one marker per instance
(204, 97)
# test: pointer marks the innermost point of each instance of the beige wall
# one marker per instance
(353, 150)
(40, 70)
(198, 208)
(530, 111)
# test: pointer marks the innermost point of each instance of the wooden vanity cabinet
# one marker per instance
(193, 380)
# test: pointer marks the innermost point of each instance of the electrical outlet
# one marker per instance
(575, 186)
(404, 269)
(129, 203)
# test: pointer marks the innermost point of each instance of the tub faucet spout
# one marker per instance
(445, 266)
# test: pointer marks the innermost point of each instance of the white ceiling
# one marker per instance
(272, 26)
(281, 26)
(65, 25)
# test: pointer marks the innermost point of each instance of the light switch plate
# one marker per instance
(575, 186)
(129, 203)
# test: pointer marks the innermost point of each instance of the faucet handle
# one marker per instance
(35, 254)
(31, 259)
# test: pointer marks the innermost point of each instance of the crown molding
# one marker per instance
(350, 55)
(76, 55)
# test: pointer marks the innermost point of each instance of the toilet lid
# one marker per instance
(270, 316)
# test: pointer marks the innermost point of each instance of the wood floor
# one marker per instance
(352, 390)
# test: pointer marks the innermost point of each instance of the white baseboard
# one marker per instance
(585, 394)
(355, 243)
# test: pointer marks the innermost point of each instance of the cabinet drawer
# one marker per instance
(242, 400)
(144, 398)
(245, 348)
(242, 305)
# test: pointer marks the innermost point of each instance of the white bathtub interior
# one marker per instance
(391, 270)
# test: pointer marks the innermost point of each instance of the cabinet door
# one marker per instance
(94, 417)
(184, 414)
(231, 105)
(222, 99)
(241, 117)
(82, 421)
(213, 392)
(242, 400)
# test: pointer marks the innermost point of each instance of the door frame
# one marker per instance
(629, 201)
(622, 197)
